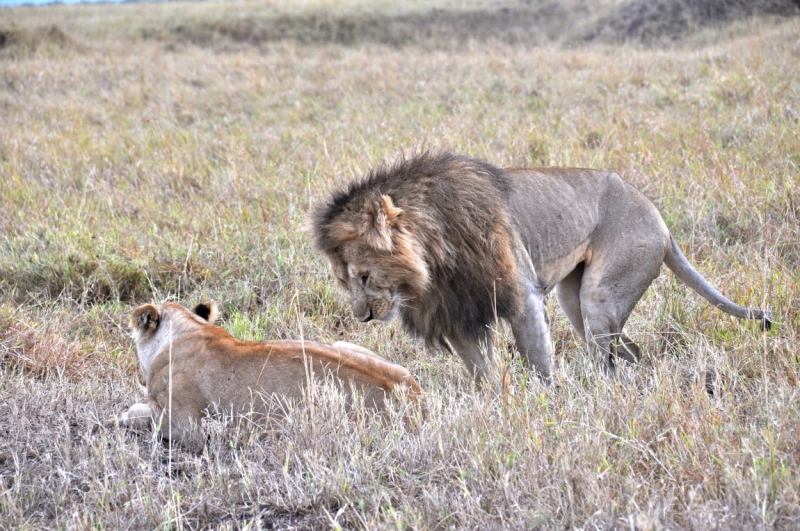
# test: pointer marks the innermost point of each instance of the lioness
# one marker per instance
(195, 366)
(449, 243)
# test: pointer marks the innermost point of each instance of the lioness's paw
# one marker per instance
(138, 417)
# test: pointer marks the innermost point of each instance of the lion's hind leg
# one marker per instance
(609, 291)
(603, 330)
(628, 350)
(568, 294)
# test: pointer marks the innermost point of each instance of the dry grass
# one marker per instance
(135, 165)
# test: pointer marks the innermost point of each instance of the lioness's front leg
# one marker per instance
(138, 417)
(184, 428)
(532, 333)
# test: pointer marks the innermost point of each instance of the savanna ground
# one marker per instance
(172, 151)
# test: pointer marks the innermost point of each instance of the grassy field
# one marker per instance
(173, 150)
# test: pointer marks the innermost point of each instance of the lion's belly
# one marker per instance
(551, 271)
(555, 212)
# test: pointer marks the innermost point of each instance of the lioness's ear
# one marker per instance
(207, 310)
(383, 216)
(144, 320)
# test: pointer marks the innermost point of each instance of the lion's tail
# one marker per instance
(677, 262)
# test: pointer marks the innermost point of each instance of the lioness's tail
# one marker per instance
(689, 275)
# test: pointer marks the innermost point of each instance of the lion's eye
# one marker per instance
(364, 278)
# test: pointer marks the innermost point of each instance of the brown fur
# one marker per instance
(450, 254)
(450, 244)
(205, 368)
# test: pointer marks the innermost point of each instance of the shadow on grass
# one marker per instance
(91, 280)
(18, 42)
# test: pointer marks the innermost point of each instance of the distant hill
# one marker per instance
(532, 22)
(646, 20)
(528, 22)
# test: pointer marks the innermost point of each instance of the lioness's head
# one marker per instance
(154, 326)
(372, 254)
(146, 320)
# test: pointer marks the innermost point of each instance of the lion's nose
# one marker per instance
(368, 318)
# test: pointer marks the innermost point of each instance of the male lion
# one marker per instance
(195, 366)
(451, 243)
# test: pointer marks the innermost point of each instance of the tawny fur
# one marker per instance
(206, 369)
(451, 244)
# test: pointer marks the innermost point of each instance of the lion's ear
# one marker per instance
(383, 217)
(144, 319)
(207, 310)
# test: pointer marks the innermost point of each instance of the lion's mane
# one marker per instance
(454, 213)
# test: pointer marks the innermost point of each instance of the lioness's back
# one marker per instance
(284, 367)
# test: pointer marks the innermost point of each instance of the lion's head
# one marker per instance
(377, 260)
(412, 240)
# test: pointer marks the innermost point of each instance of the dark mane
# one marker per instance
(450, 202)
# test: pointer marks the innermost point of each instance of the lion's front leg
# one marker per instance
(532, 333)
(469, 350)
